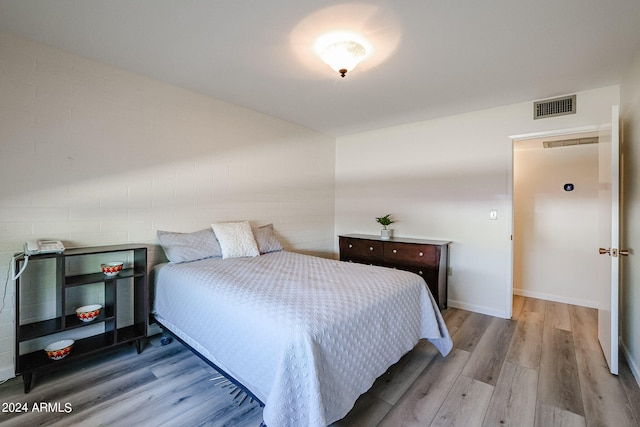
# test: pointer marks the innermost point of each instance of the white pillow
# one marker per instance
(236, 239)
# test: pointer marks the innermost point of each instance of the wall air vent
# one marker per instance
(554, 107)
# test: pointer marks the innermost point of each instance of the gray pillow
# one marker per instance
(185, 247)
(266, 239)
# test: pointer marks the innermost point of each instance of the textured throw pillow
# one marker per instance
(266, 239)
(236, 239)
(185, 247)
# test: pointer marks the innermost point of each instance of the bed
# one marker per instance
(305, 335)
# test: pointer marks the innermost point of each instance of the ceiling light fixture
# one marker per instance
(343, 56)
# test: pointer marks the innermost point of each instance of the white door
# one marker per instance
(609, 238)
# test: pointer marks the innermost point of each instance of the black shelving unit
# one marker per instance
(37, 362)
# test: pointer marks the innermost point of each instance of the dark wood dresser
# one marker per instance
(428, 258)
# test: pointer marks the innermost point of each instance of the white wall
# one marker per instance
(556, 231)
(93, 155)
(630, 225)
(440, 178)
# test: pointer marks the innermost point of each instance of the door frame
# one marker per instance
(510, 190)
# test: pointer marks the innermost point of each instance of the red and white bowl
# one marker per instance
(59, 349)
(87, 313)
(111, 268)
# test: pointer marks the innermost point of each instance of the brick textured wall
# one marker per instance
(92, 155)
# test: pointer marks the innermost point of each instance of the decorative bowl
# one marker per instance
(87, 313)
(111, 268)
(59, 349)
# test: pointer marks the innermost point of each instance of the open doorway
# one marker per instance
(555, 211)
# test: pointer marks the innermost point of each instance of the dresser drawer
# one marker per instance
(410, 254)
(360, 250)
(430, 275)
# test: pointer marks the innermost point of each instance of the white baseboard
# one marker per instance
(556, 298)
(524, 293)
(477, 309)
(635, 369)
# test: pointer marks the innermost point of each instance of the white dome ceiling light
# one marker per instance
(343, 56)
(345, 36)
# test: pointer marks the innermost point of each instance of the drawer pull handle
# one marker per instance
(420, 272)
(370, 248)
(350, 245)
(421, 254)
(395, 251)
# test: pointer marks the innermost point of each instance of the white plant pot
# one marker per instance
(386, 234)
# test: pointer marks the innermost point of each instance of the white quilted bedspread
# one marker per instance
(306, 335)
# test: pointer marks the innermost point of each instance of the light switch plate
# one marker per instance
(493, 214)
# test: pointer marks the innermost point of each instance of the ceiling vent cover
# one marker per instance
(554, 107)
(570, 142)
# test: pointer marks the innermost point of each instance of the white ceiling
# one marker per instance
(432, 58)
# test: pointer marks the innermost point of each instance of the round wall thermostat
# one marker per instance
(568, 187)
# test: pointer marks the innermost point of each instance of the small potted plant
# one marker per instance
(385, 233)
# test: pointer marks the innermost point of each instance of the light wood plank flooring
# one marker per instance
(543, 368)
